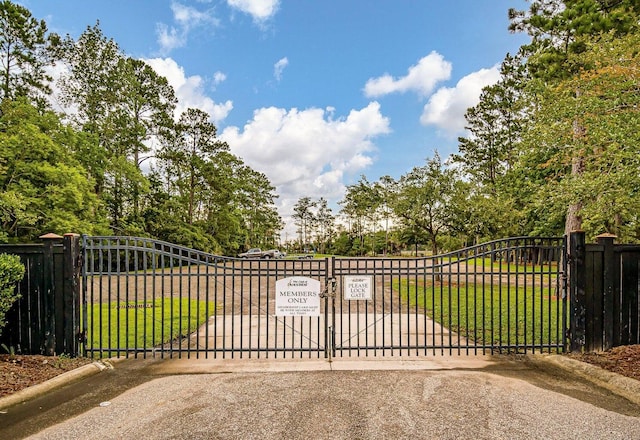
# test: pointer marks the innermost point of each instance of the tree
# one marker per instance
(196, 143)
(423, 200)
(124, 104)
(385, 189)
(254, 196)
(560, 30)
(495, 125)
(209, 191)
(144, 110)
(43, 188)
(89, 84)
(23, 53)
(360, 204)
(324, 223)
(608, 187)
(304, 219)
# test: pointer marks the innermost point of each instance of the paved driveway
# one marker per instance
(436, 398)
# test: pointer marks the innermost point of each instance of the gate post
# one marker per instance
(577, 291)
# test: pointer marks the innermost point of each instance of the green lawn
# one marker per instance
(487, 264)
(490, 314)
(123, 326)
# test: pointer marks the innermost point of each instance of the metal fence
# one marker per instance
(503, 296)
(146, 297)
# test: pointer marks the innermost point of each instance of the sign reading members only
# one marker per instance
(297, 296)
(357, 287)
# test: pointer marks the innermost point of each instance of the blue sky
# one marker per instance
(314, 93)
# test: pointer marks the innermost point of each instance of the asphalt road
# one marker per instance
(498, 399)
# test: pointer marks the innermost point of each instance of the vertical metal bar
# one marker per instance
(521, 258)
(443, 319)
(198, 261)
(526, 302)
(100, 295)
(207, 311)
(485, 336)
(434, 287)
(475, 298)
(163, 265)
(410, 342)
(154, 274)
(542, 296)
(225, 313)
(88, 257)
(216, 306)
(189, 274)
(549, 298)
(494, 258)
(125, 309)
(110, 278)
(424, 310)
(511, 257)
(145, 275)
(503, 252)
(235, 312)
(453, 273)
(564, 262)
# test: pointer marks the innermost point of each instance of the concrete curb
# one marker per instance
(217, 366)
(623, 386)
(616, 383)
(55, 382)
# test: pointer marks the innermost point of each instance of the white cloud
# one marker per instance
(446, 107)
(421, 78)
(279, 67)
(190, 90)
(219, 77)
(186, 18)
(260, 10)
(307, 152)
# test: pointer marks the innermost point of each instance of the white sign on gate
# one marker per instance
(357, 287)
(297, 296)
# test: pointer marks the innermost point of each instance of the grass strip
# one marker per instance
(490, 314)
(142, 325)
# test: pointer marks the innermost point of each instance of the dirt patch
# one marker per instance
(21, 371)
(624, 360)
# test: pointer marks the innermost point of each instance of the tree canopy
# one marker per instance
(553, 145)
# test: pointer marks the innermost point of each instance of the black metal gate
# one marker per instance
(146, 297)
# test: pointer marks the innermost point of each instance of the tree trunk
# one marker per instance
(573, 221)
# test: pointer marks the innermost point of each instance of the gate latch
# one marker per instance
(330, 289)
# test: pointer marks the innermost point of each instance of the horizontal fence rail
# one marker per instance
(145, 297)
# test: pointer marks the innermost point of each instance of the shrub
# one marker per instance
(11, 272)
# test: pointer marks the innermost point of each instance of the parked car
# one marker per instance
(259, 253)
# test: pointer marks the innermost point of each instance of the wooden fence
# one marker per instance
(46, 318)
(604, 280)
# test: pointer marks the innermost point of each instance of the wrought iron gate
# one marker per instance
(147, 297)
